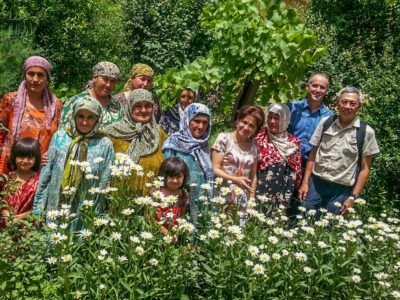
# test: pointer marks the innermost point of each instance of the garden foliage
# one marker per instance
(362, 39)
(122, 253)
(253, 42)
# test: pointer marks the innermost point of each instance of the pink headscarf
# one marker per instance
(49, 100)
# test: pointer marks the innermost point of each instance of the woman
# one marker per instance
(190, 143)
(141, 78)
(105, 76)
(139, 136)
(33, 111)
(170, 119)
(279, 170)
(235, 154)
(64, 182)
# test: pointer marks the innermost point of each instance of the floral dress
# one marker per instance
(236, 161)
(21, 201)
(277, 177)
(163, 214)
(49, 187)
(33, 125)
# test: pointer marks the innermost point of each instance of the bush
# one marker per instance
(123, 254)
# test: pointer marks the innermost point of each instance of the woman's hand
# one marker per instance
(45, 160)
(244, 183)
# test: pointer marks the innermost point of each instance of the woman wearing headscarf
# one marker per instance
(139, 136)
(105, 76)
(33, 111)
(141, 78)
(190, 143)
(62, 180)
(279, 170)
(171, 118)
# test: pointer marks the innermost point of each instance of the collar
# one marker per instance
(305, 105)
(354, 123)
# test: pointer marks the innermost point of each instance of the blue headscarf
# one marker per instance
(183, 141)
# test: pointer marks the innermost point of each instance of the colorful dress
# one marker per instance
(150, 163)
(195, 152)
(49, 189)
(33, 125)
(177, 210)
(278, 176)
(170, 119)
(236, 161)
(22, 199)
(156, 108)
(112, 112)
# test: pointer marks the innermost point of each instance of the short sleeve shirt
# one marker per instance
(303, 123)
(337, 155)
(236, 161)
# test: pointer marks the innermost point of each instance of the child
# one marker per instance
(176, 175)
(24, 165)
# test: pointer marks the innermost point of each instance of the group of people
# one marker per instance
(267, 153)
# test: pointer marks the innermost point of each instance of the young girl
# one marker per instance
(176, 175)
(24, 165)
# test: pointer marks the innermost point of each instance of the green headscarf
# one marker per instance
(144, 138)
(72, 176)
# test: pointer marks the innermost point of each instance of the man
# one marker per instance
(141, 78)
(305, 114)
(336, 172)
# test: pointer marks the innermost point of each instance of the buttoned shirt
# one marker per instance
(303, 123)
(337, 155)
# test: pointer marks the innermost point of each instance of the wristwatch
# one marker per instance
(353, 197)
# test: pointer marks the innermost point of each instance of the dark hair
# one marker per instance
(174, 166)
(189, 90)
(254, 111)
(25, 147)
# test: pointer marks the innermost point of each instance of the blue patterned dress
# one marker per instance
(49, 187)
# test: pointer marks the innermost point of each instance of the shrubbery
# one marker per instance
(122, 253)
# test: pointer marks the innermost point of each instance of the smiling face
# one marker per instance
(36, 79)
(103, 86)
(24, 164)
(317, 88)
(246, 127)
(273, 122)
(348, 105)
(198, 126)
(142, 82)
(187, 98)
(175, 182)
(142, 111)
(85, 121)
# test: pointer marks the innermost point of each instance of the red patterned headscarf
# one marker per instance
(49, 100)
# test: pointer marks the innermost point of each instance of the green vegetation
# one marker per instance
(123, 254)
(362, 39)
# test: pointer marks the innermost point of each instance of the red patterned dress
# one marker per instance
(22, 200)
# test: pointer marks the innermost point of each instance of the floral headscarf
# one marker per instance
(184, 142)
(49, 100)
(104, 68)
(144, 138)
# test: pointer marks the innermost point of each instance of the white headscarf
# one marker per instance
(281, 139)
